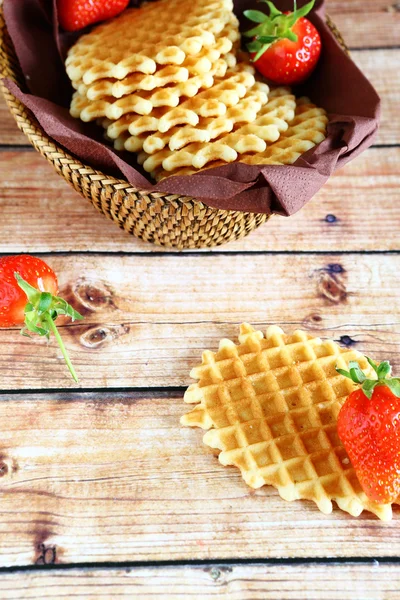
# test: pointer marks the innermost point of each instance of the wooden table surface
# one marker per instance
(102, 493)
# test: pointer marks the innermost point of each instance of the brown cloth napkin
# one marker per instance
(337, 85)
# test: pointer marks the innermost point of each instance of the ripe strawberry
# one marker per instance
(77, 14)
(369, 427)
(27, 296)
(285, 46)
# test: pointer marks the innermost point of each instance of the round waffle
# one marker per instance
(306, 129)
(271, 406)
(143, 102)
(165, 33)
(244, 139)
(209, 103)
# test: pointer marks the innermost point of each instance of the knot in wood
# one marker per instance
(93, 296)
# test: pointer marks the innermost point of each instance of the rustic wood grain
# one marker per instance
(366, 23)
(9, 133)
(222, 582)
(111, 476)
(41, 213)
(147, 319)
(116, 478)
(380, 66)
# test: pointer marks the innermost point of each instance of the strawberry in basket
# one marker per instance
(285, 47)
(77, 14)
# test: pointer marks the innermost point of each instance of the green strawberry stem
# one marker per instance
(63, 349)
(273, 27)
(41, 311)
(382, 372)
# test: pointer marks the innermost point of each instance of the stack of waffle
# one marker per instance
(169, 82)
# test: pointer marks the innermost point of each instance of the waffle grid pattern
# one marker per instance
(305, 128)
(271, 407)
(189, 28)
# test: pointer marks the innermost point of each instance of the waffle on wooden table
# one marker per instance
(100, 481)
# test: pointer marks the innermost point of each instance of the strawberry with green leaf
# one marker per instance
(285, 47)
(28, 288)
(369, 427)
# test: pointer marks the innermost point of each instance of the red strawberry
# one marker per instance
(285, 46)
(77, 14)
(27, 296)
(369, 427)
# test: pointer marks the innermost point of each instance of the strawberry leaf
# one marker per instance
(31, 292)
(343, 372)
(384, 370)
(291, 36)
(368, 387)
(254, 46)
(273, 11)
(267, 39)
(394, 386)
(255, 15)
(300, 12)
(45, 301)
(263, 48)
(372, 364)
(355, 372)
(259, 30)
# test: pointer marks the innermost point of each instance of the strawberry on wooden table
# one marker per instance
(77, 14)
(28, 288)
(285, 47)
(369, 427)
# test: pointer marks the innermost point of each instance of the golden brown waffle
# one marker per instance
(212, 102)
(193, 68)
(245, 137)
(307, 129)
(183, 77)
(143, 102)
(187, 87)
(133, 83)
(271, 406)
(186, 77)
(162, 33)
(207, 128)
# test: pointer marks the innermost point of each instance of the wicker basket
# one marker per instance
(165, 220)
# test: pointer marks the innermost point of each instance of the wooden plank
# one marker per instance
(380, 66)
(88, 478)
(366, 23)
(222, 582)
(147, 320)
(41, 213)
(9, 132)
(360, 7)
(368, 30)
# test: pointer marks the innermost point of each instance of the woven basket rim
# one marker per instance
(8, 59)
